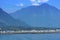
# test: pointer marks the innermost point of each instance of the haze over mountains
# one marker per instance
(7, 21)
(44, 15)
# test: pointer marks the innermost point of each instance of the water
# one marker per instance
(30, 37)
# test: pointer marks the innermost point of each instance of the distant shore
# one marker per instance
(30, 31)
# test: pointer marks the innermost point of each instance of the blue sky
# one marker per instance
(13, 5)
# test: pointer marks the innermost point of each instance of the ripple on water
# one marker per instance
(30, 37)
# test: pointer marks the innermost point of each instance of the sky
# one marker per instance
(11, 6)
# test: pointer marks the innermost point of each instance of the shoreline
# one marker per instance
(31, 31)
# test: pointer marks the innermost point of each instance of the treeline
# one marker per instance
(5, 28)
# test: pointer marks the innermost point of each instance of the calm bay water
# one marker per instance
(30, 37)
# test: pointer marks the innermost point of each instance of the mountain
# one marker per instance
(44, 15)
(6, 21)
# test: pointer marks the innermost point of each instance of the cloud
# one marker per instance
(32, 0)
(42, 0)
(21, 4)
(37, 2)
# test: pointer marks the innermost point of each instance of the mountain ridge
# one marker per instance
(44, 15)
(6, 20)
